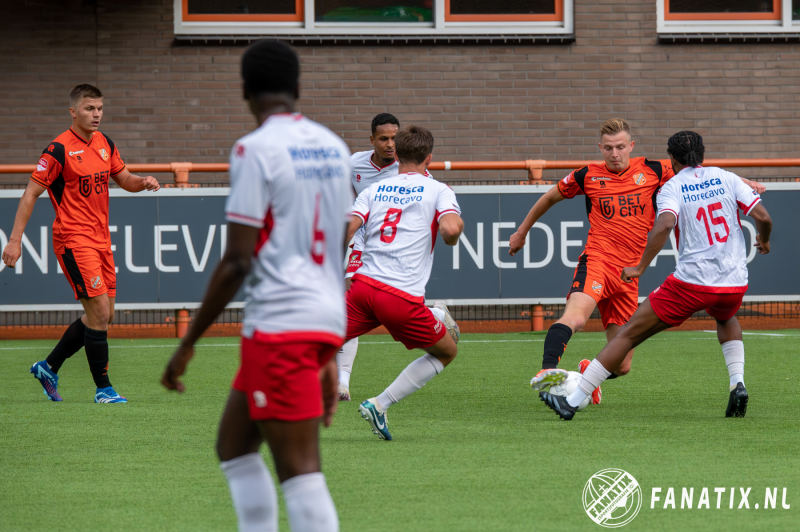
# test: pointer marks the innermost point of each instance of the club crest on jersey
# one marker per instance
(240, 150)
(104, 154)
(639, 179)
(96, 282)
(358, 178)
(597, 287)
(86, 185)
(42, 166)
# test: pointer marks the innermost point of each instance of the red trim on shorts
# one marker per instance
(707, 289)
(389, 289)
(297, 337)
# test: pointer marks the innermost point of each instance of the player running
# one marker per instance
(620, 197)
(75, 169)
(702, 204)
(401, 216)
(369, 167)
(287, 213)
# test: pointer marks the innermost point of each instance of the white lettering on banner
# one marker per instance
(569, 243)
(41, 258)
(673, 251)
(653, 498)
(687, 498)
(3, 244)
(744, 502)
(772, 498)
(550, 247)
(159, 247)
(751, 254)
(199, 267)
(113, 229)
(477, 256)
(719, 492)
(129, 253)
(497, 244)
(223, 239)
(704, 499)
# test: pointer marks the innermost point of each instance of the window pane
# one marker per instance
(795, 9)
(391, 11)
(241, 7)
(503, 7)
(720, 6)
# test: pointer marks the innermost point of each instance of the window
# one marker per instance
(733, 18)
(365, 18)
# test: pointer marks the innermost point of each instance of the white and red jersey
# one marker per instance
(712, 254)
(401, 219)
(290, 178)
(364, 174)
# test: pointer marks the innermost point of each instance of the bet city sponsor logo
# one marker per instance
(613, 498)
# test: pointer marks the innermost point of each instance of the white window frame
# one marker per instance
(438, 27)
(777, 27)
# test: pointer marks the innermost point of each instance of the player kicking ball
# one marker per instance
(287, 213)
(75, 169)
(702, 205)
(367, 168)
(401, 216)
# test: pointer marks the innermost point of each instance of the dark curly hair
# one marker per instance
(687, 148)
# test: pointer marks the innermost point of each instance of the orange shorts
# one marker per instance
(89, 271)
(280, 376)
(616, 300)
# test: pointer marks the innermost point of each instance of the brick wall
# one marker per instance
(168, 102)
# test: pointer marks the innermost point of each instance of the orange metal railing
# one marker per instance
(534, 167)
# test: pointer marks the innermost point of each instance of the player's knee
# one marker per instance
(575, 323)
(110, 317)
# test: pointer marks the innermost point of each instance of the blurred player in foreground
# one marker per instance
(75, 169)
(369, 167)
(287, 213)
(402, 215)
(702, 204)
(620, 204)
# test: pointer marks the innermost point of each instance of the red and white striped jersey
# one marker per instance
(711, 249)
(401, 219)
(291, 179)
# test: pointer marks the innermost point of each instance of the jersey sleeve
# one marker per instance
(361, 205)
(668, 200)
(249, 199)
(666, 171)
(359, 239)
(50, 165)
(117, 165)
(569, 186)
(746, 197)
(446, 202)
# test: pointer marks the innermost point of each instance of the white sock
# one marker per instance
(593, 377)
(734, 358)
(344, 360)
(253, 492)
(437, 313)
(414, 377)
(309, 504)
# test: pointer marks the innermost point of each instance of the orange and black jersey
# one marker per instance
(621, 207)
(76, 173)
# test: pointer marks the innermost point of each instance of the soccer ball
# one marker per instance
(569, 386)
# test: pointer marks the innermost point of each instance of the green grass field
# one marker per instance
(474, 450)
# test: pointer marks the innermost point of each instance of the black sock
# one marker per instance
(612, 376)
(70, 343)
(96, 343)
(555, 343)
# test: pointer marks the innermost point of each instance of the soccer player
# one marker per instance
(287, 212)
(368, 167)
(702, 204)
(401, 216)
(75, 169)
(619, 198)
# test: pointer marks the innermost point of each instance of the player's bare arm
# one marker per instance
(134, 183)
(228, 277)
(656, 240)
(450, 227)
(763, 221)
(355, 224)
(13, 250)
(542, 205)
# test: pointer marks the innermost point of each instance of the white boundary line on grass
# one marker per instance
(527, 340)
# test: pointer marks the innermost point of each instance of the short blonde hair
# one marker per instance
(612, 126)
